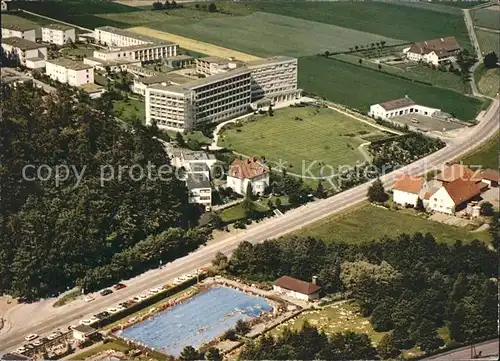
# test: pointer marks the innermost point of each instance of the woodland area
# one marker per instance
(82, 232)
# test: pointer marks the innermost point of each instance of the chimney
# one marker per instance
(442, 40)
(314, 280)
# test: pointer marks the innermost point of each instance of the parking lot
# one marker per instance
(427, 124)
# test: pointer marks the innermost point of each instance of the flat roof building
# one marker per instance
(19, 31)
(24, 52)
(399, 107)
(200, 190)
(68, 71)
(58, 34)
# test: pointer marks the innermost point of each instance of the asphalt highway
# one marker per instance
(488, 350)
(52, 318)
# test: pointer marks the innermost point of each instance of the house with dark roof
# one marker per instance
(434, 51)
(248, 171)
(296, 288)
(399, 107)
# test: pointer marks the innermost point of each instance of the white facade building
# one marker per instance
(213, 99)
(58, 34)
(18, 31)
(297, 289)
(453, 196)
(140, 84)
(245, 171)
(399, 107)
(200, 190)
(407, 190)
(434, 51)
(73, 73)
(211, 65)
(26, 52)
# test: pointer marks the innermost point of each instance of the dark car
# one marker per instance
(106, 292)
(119, 286)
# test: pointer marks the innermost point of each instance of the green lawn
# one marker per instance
(265, 34)
(130, 109)
(487, 155)
(359, 88)
(486, 18)
(317, 136)
(237, 212)
(81, 51)
(416, 71)
(488, 80)
(367, 222)
(488, 41)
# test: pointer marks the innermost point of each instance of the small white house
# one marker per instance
(453, 196)
(200, 190)
(68, 71)
(23, 50)
(58, 34)
(295, 288)
(245, 171)
(81, 333)
(406, 190)
(399, 107)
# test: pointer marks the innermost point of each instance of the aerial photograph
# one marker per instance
(249, 180)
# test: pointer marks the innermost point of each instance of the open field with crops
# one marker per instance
(264, 34)
(316, 136)
(487, 17)
(488, 41)
(488, 80)
(486, 155)
(359, 88)
(195, 45)
(366, 222)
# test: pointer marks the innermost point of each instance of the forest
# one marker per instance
(75, 229)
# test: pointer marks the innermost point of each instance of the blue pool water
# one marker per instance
(199, 320)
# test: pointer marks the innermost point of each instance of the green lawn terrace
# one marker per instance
(303, 137)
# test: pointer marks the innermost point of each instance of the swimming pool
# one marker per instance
(199, 320)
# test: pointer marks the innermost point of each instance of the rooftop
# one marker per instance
(175, 79)
(22, 44)
(491, 175)
(13, 357)
(194, 155)
(57, 27)
(247, 168)
(440, 46)
(214, 59)
(111, 62)
(293, 284)
(84, 329)
(409, 184)
(18, 27)
(180, 57)
(457, 171)
(272, 60)
(462, 190)
(130, 34)
(91, 88)
(70, 64)
(197, 180)
(397, 103)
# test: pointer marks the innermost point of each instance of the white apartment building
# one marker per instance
(398, 107)
(115, 37)
(18, 31)
(213, 99)
(68, 71)
(140, 84)
(274, 78)
(200, 191)
(211, 65)
(26, 52)
(58, 34)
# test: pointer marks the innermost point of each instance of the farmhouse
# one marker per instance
(399, 107)
(248, 171)
(58, 34)
(295, 288)
(453, 196)
(407, 190)
(69, 71)
(26, 52)
(82, 332)
(19, 31)
(200, 190)
(434, 51)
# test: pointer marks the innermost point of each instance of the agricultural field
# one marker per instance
(487, 17)
(413, 71)
(488, 41)
(294, 135)
(367, 222)
(263, 34)
(359, 88)
(488, 80)
(486, 155)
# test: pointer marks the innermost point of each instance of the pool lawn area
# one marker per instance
(197, 321)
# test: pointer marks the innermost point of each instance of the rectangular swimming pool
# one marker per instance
(197, 321)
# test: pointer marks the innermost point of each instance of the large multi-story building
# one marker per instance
(19, 31)
(211, 65)
(58, 34)
(25, 52)
(274, 78)
(213, 99)
(68, 71)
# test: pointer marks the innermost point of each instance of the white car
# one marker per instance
(31, 337)
(112, 310)
(143, 297)
(94, 319)
(154, 291)
(119, 308)
(37, 343)
(86, 322)
(89, 298)
(54, 335)
(21, 350)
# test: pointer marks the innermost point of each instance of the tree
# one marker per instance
(167, 5)
(242, 327)
(490, 60)
(382, 43)
(212, 8)
(386, 348)
(426, 336)
(380, 67)
(320, 191)
(360, 61)
(487, 209)
(356, 47)
(174, 5)
(381, 318)
(179, 139)
(220, 260)
(420, 205)
(327, 54)
(216, 221)
(277, 202)
(157, 5)
(495, 231)
(401, 338)
(376, 192)
(270, 203)
(213, 354)
(189, 353)
(458, 323)
(270, 111)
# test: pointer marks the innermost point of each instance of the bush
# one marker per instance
(240, 224)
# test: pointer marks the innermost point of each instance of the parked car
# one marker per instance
(119, 286)
(29, 346)
(143, 297)
(54, 335)
(106, 292)
(21, 350)
(89, 298)
(86, 322)
(37, 343)
(31, 337)
(112, 310)
(94, 319)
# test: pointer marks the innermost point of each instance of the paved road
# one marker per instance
(47, 88)
(488, 349)
(40, 320)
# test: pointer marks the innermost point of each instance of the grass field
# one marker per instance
(359, 88)
(488, 41)
(130, 109)
(417, 72)
(384, 19)
(296, 135)
(366, 222)
(264, 34)
(195, 45)
(488, 80)
(487, 155)
(486, 18)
